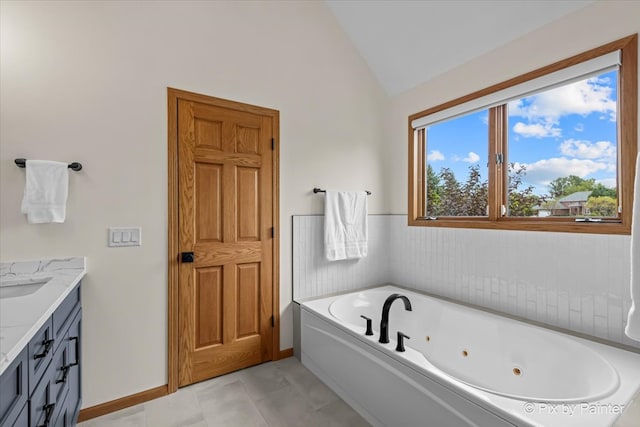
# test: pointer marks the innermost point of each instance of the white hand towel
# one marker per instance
(633, 323)
(345, 225)
(45, 191)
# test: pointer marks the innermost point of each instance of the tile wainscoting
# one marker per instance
(314, 276)
(578, 282)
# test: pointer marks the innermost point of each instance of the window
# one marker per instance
(562, 146)
(552, 150)
(456, 176)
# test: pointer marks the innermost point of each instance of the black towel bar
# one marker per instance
(318, 190)
(21, 163)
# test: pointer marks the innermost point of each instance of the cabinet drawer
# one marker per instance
(13, 390)
(42, 404)
(63, 315)
(40, 351)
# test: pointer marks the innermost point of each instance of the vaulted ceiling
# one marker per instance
(407, 43)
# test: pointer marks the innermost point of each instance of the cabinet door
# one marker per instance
(74, 398)
(13, 389)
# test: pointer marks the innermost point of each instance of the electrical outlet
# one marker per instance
(125, 236)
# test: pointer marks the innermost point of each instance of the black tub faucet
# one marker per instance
(384, 323)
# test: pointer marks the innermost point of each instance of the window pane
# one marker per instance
(562, 152)
(457, 174)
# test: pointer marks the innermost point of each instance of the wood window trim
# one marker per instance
(173, 95)
(627, 152)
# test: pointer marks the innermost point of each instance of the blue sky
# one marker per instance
(570, 130)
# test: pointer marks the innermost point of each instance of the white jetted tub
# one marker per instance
(462, 366)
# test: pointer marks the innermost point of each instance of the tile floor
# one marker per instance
(282, 393)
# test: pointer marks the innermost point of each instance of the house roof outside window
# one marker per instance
(579, 196)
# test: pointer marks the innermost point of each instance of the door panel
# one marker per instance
(225, 216)
(248, 203)
(209, 301)
(209, 202)
(248, 307)
(248, 141)
(208, 134)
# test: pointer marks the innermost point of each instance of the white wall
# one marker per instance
(86, 81)
(548, 277)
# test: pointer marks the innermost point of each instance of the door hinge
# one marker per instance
(273, 143)
(273, 322)
(273, 232)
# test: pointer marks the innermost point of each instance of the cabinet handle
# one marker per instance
(65, 371)
(47, 347)
(77, 347)
(49, 408)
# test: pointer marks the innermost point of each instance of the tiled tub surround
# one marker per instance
(578, 282)
(313, 275)
(21, 317)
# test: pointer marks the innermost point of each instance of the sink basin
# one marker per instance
(13, 288)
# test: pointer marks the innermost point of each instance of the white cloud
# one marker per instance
(583, 97)
(537, 130)
(608, 182)
(581, 149)
(579, 127)
(435, 155)
(546, 170)
(471, 157)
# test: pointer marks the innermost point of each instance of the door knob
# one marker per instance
(187, 257)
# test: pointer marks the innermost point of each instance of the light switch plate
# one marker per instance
(125, 236)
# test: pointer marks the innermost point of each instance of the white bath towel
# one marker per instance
(633, 322)
(45, 191)
(345, 224)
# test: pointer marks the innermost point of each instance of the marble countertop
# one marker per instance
(22, 316)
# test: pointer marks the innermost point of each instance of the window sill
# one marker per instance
(557, 225)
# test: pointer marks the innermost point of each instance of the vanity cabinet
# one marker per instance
(42, 386)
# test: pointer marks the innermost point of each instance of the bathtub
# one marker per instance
(462, 366)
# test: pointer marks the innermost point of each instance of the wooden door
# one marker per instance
(225, 214)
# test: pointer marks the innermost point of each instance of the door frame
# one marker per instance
(173, 95)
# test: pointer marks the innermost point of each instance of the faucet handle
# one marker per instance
(369, 326)
(401, 337)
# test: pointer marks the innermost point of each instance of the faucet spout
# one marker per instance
(384, 322)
